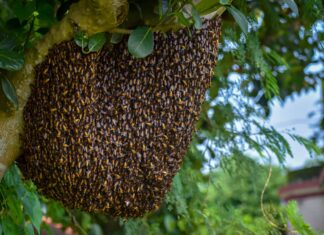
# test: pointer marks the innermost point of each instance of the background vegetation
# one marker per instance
(266, 51)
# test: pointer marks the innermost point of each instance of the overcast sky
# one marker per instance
(293, 115)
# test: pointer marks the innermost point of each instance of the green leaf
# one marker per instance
(292, 5)
(270, 84)
(196, 18)
(81, 39)
(182, 19)
(29, 229)
(239, 18)
(297, 220)
(95, 229)
(58, 213)
(213, 91)
(169, 223)
(12, 176)
(32, 208)
(9, 227)
(23, 9)
(275, 57)
(9, 91)
(176, 197)
(141, 42)
(116, 38)
(15, 209)
(46, 14)
(96, 42)
(205, 5)
(11, 60)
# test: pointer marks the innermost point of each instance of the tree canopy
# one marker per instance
(269, 50)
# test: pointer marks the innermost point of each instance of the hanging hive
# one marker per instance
(105, 132)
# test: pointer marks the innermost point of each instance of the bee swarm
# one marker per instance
(105, 132)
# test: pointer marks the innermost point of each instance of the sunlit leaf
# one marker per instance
(196, 18)
(182, 19)
(96, 42)
(81, 39)
(205, 5)
(239, 18)
(297, 221)
(277, 58)
(141, 42)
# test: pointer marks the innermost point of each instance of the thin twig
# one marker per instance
(264, 213)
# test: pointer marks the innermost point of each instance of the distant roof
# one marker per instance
(303, 183)
(304, 174)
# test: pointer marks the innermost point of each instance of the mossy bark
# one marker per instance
(91, 16)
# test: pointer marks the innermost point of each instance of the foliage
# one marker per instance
(20, 205)
(218, 188)
(22, 23)
(141, 42)
(90, 44)
(297, 221)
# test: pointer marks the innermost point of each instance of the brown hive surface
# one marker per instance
(105, 132)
